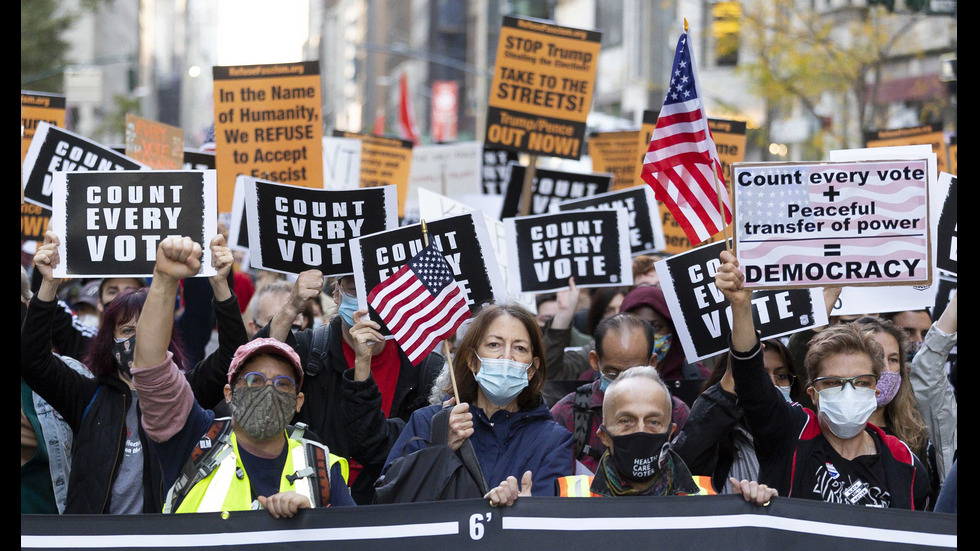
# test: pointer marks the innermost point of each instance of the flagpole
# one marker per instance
(525, 208)
(445, 343)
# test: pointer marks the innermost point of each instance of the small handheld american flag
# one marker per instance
(421, 303)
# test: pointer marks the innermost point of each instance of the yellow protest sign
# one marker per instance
(384, 161)
(618, 153)
(34, 108)
(931, 134)
(267, 125)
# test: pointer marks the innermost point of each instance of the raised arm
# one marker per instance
(164, 393)
(308, 286)
(729, 281)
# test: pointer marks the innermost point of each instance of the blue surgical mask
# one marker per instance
(604, 382)
(501, 380)
(785, 390)
(348, 305)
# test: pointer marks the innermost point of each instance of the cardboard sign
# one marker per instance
(496, 168)
(155, 144)
(55, 149)
(36, 107)
(702, 316)
(590, 245)
(645, 233)
(549, 188)
(292, 229)
(619, 153)
(198, 160)
(543, 83)
(341, 163)
(800, 225)
(384, 162)
(451, 169)
(946, 241)
(433, 206)
(464, 243)
(111, 222)
(267, 125)
(929, 134)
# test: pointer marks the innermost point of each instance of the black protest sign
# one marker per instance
(112, 222)
(496, 165)
(946, 234)
(589, 245)
(702, 315)
(645, 232)
(294, 228)
(54, 149)
(238, 228)
(550, 187)
(464, 243)
(198, 160)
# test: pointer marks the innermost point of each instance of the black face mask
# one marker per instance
(638, 456)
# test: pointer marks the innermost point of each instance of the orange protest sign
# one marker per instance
(34, 108)
(267, 125)
(155, 144)
(618, 153)
(384, 161)
(931, 134)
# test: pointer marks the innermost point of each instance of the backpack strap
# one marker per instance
(317, 470)
(211, 449)
(320, 347)
(439, 435)
(583, 421)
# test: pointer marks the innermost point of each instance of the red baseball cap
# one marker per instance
(266, 346)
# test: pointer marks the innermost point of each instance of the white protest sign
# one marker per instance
(646, 233)
(453, 170)
(341, 163)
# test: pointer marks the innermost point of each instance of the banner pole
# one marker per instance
(526, 189)
(452, 374)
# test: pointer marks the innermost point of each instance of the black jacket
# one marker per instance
(95, 409)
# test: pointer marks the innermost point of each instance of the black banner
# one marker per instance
(589, 245)
(702, 315)
(295, 228)
(496, 165)
(113, 221)
(54, 149)
(639, 204)
(550, 187)
(678, 523)
(946, 234)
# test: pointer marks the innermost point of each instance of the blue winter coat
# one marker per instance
(507, 444)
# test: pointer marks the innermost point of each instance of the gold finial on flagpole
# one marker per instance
(425, 235)
(685, 24)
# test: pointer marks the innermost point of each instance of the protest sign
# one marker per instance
(34, 108)
(155, 144)
(645, 232)
(590, 245)
(55, 149)
(952, 155)
(549, 188)
(849, 223)
(716, 522)
(702, 316)
(543, 83)
(463, 241)
(730, 138)
(496, 167)
(34, 221)
(267, 125)
(292, 229)
(238, 228)
(111, 222)
(946, 242)
(384, 162)
(892, 298)
(450, 169)
(433, 206)
(927, 134)
(619, 153)
(198, 160)
(341, 163)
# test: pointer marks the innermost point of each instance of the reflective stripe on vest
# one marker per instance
(704, 483)
(575, 486)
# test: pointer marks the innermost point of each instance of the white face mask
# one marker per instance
(847, 410)
(785, 391)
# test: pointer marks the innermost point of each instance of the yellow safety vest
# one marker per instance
(580, 486)
(223, 490)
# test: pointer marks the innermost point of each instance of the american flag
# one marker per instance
(407, 128)
(421, 303)
(679, 162)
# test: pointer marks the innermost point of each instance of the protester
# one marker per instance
(622, 341)
(833, 455)
(499, 372)
(258, 442)
(915, 323)
(636, 430)
(265, 303)
(644, 270)
(716, 441)
(649, 304)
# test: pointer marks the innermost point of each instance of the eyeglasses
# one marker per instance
(861, 381)
(282, 383)
(782, 379)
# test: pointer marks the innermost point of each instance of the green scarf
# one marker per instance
(659, 485)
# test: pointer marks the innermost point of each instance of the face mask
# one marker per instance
(604, 382)
(847, 410)
(888, 385)
(501, 380)
(90, 320)
(262, 412)
(660, 347)
(348, 305)
(317, 322)
(123, 350)
(912, 350)
(785, 390)
(638, 456)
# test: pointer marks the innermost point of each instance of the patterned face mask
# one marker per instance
(661, 346)
(262, 412)
(123, 350)
(888, 384)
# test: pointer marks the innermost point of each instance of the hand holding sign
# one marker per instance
(366, 336)
(730, 280)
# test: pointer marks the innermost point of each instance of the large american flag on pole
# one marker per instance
(421, 303)
(681, 163)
